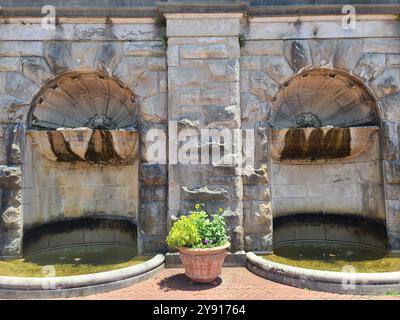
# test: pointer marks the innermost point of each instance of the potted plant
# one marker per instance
(202, 242)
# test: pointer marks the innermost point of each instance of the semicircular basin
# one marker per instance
(87, 145)
(321, 144)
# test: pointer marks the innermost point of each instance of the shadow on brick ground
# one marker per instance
(179, 282)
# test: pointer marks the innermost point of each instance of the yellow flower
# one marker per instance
(220, 210)
(197, 206)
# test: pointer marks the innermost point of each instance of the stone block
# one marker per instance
(207, 27)
(262, 85)
(393, 60)
(250, 63)
(323, 52)
(277, 68)
(392, 192)
(153, 174)
(348, 54)
(58, 55)
(212, 51)
(255, 111)
(222, 116)
(393, 211)
(154, 108)
(386, 84)
(338, 173)
(258, 218)
(108, 56)
(290, 191)
(390, 106)
(262, 48)
(11, 218)
(256, 192)
(308, 174)
(145, 48)
(258, 242)
(21, 48)
(391, 171)
(341, 205)
(370, 66)
(9, 64)
(36, 69)
(255, 175)
(205, 193)
(308, 205)
(281, 174)
(298, 54)
(381, 45)
(337, 190)
(153, 214)
(393, 230)
(390, 140)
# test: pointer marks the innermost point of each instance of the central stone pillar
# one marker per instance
(203, 83)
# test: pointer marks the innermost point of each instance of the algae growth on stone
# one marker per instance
(72, 261)
(335, 258)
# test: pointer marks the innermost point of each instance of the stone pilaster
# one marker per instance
(203, 93)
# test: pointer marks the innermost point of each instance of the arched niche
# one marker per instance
(83, 99)
(324, 148)
(324, 97)
(81, 154)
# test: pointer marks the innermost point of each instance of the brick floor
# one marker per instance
(234, 284)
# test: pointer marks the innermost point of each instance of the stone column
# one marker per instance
(203, 93)
(391, 174)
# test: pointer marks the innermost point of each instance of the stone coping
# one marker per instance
(68, 286)
(329, 281)
(153, 8)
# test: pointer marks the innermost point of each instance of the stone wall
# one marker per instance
(203, 92)
(277, 49)
(30, 55)
(218, 71)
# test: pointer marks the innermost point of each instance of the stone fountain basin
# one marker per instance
(322, 144)
(87, 145)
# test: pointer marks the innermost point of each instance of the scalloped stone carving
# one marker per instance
(84, 99)
(321, 98)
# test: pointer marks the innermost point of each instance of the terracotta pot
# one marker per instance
(203, 265)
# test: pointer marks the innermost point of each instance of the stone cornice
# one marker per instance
(128, 8)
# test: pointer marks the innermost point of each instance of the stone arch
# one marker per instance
(324, 97)
(83, 99)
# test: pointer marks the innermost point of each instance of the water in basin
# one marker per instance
(335, 257)
(74, 260)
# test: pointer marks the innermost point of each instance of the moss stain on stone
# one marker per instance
(335, 143)
(61, 148)
(101, 148)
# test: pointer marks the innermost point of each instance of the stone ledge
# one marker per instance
(237, 259)
(328, 281)
(70, 286)
(154, 8)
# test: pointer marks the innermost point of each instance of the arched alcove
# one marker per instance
(83, 99)
(81, 154)
(324, 97)
(325, 155)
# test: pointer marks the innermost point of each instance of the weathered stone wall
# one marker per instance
(276, 49)
(30, 55)
(203, 90)
(220, 71)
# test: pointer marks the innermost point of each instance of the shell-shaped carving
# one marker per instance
(84, 99)
(321, 98)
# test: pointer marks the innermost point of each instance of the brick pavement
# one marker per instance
(234, 284)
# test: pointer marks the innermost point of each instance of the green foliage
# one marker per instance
(198, 230)
(183, 233)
